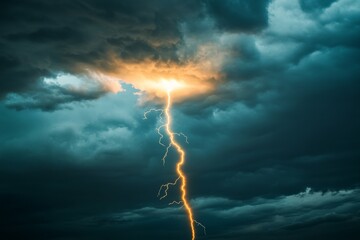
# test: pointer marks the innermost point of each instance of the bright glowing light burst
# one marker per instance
(172, 84)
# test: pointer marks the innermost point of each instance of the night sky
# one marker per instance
(273, 121)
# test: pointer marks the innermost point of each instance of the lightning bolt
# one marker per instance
(179, 165)
(181, 161)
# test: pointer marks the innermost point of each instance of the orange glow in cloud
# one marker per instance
(197, 76)
(149, 77)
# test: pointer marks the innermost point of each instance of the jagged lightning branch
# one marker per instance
(181, 175)
(179, 164)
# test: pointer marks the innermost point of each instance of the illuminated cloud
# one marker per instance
(54, 93)
(137, 42)
(270, 108)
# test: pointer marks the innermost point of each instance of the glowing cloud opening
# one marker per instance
(170, 85)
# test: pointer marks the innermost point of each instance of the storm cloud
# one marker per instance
(273, 149)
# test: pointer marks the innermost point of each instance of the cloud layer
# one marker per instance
(273, 143)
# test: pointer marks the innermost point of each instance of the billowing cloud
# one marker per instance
(134, 41)
(239, 15)
(261, 215)
(270, 111)
(53, 93)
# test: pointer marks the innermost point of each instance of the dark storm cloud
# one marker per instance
(61, 90)
(281, 52)
(297, 116)
(49, 98)
(99, 159)
(281, 213)
(272, 154)
(40, 40)
(16, 77)
(308, 5)
(239, 15)
(260, 215)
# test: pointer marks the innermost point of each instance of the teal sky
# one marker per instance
(273, 150)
